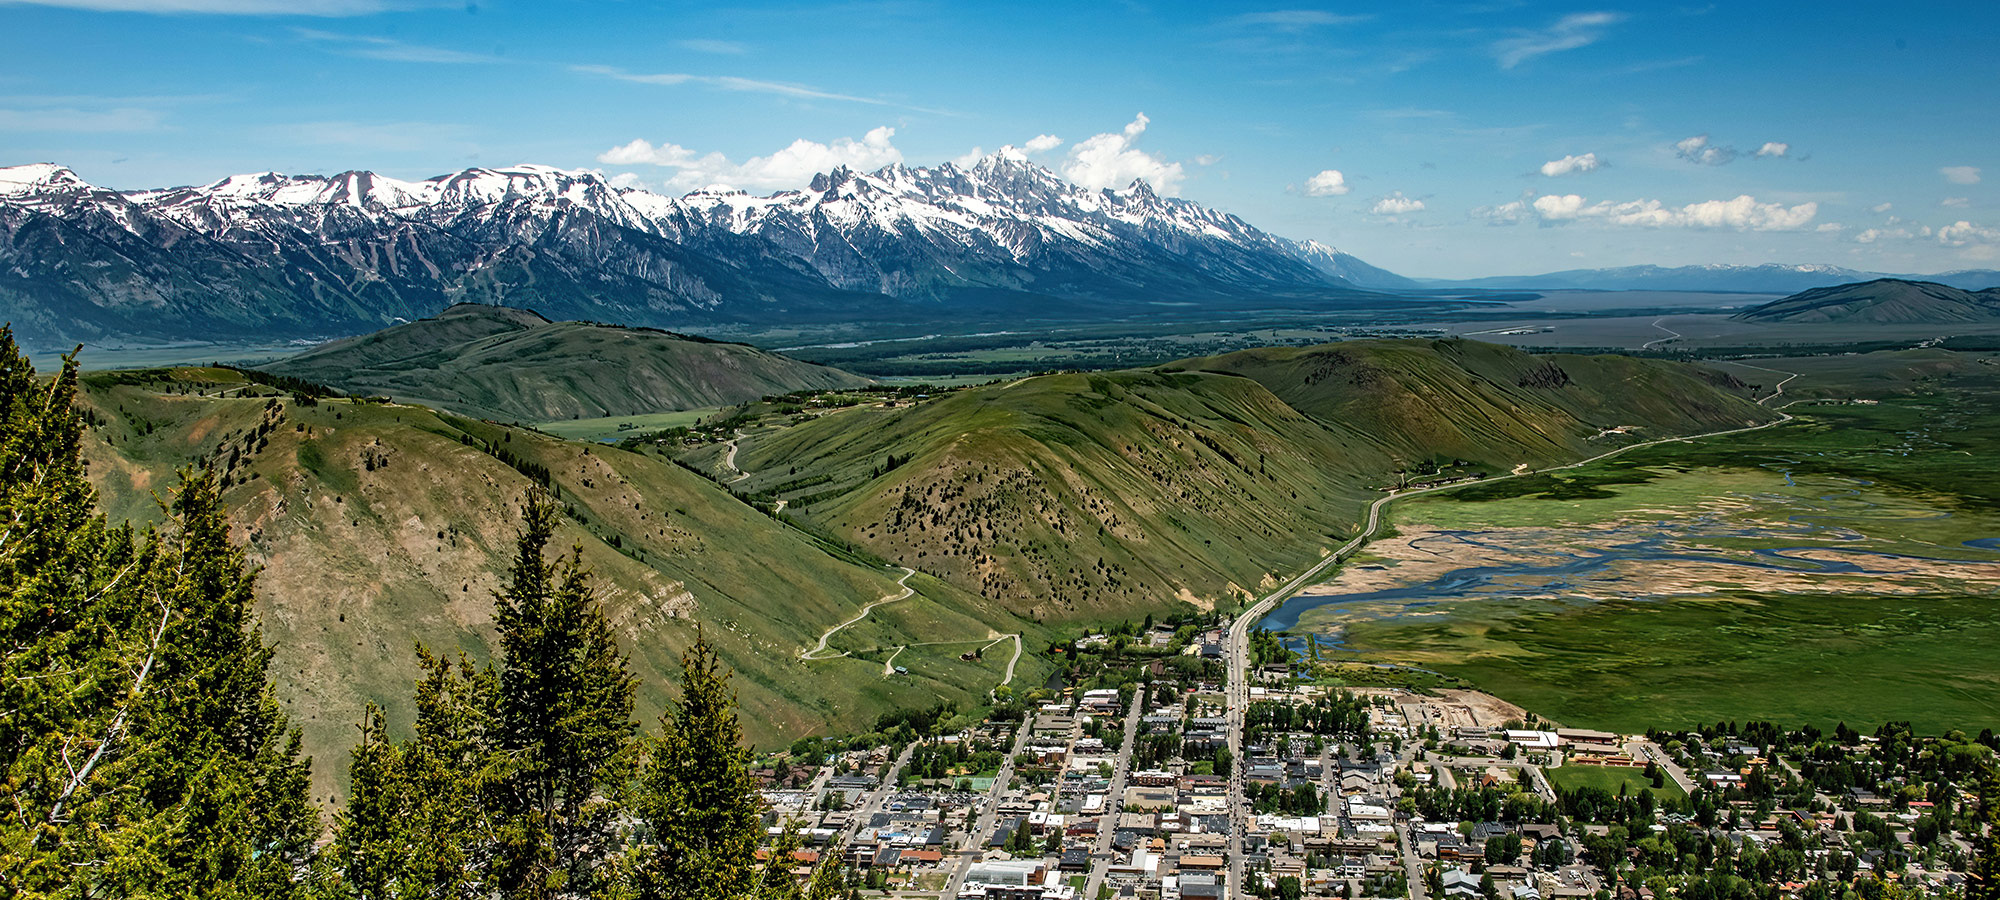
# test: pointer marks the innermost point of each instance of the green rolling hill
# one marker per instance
(380, 525)
(1490, 404)
(1884, 301)
(1063, 497)
(512, 365)
(1078, 496)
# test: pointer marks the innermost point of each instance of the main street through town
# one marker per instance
(1100, 855)
(975, 839)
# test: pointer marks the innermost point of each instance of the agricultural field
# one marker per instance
(1839, 567)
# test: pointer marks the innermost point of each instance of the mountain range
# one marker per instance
(1769, 278)
(268, 256)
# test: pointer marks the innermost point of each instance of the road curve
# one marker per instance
(1673, 335)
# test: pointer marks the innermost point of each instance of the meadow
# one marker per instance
(1856, 546)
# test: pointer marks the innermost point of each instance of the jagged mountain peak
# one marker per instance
(359, 249)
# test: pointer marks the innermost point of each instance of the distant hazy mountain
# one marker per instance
(1883, 301)
(1769, 278)
(286, 256)
(514, 365)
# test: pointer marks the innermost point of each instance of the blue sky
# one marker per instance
(1435, 139)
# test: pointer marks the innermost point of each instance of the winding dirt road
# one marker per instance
(813, 655)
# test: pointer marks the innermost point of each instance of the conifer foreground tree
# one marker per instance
(514, 778)
(142, 753)
(695, 797)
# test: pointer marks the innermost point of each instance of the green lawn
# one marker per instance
(1612, 779)
(612, 428)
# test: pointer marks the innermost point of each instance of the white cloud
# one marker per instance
(1875, 235)
(1830, 228)
(1396, 204)
(1962, 233)
(1508, 213)
(733, 83)
(789, 168)
(1568, 33)
(1570, 165)
(1207, 159)
(1774, 149)
(1111, 160)
(372, 47)
(1956, 202)
(1698, 150)
(1564, 206)
(79, 120)
(1328, 183)
(1297, 19)
(1960, 174)
(1042, 143)
(1744, 213)
(1881, 207)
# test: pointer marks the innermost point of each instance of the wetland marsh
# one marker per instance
(1843, 567)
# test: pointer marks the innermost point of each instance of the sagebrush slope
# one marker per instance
(378, 526)
(1085, 495)
(512, 365)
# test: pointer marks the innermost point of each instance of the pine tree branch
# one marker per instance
(117, 728)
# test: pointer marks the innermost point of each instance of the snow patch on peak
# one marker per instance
(40, 178)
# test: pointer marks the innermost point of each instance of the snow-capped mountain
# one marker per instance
(275, 255)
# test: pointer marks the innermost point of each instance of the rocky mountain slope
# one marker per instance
(513, 365)
(304, 256)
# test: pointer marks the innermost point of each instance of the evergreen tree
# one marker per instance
(515, 775)
(829, 878)
(142, 752)
(775, 882)
(412, 827)
(562, 730)
(1985, 881)
(695, 795)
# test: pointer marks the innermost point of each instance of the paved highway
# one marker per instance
(1114, 803)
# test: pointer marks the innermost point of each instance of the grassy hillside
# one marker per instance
(1084, 495)
(1072, 496)
(511, 365)
(1490, 404)
(381, 525)
(1884, 301)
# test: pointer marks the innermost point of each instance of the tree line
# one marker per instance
(143, 752)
